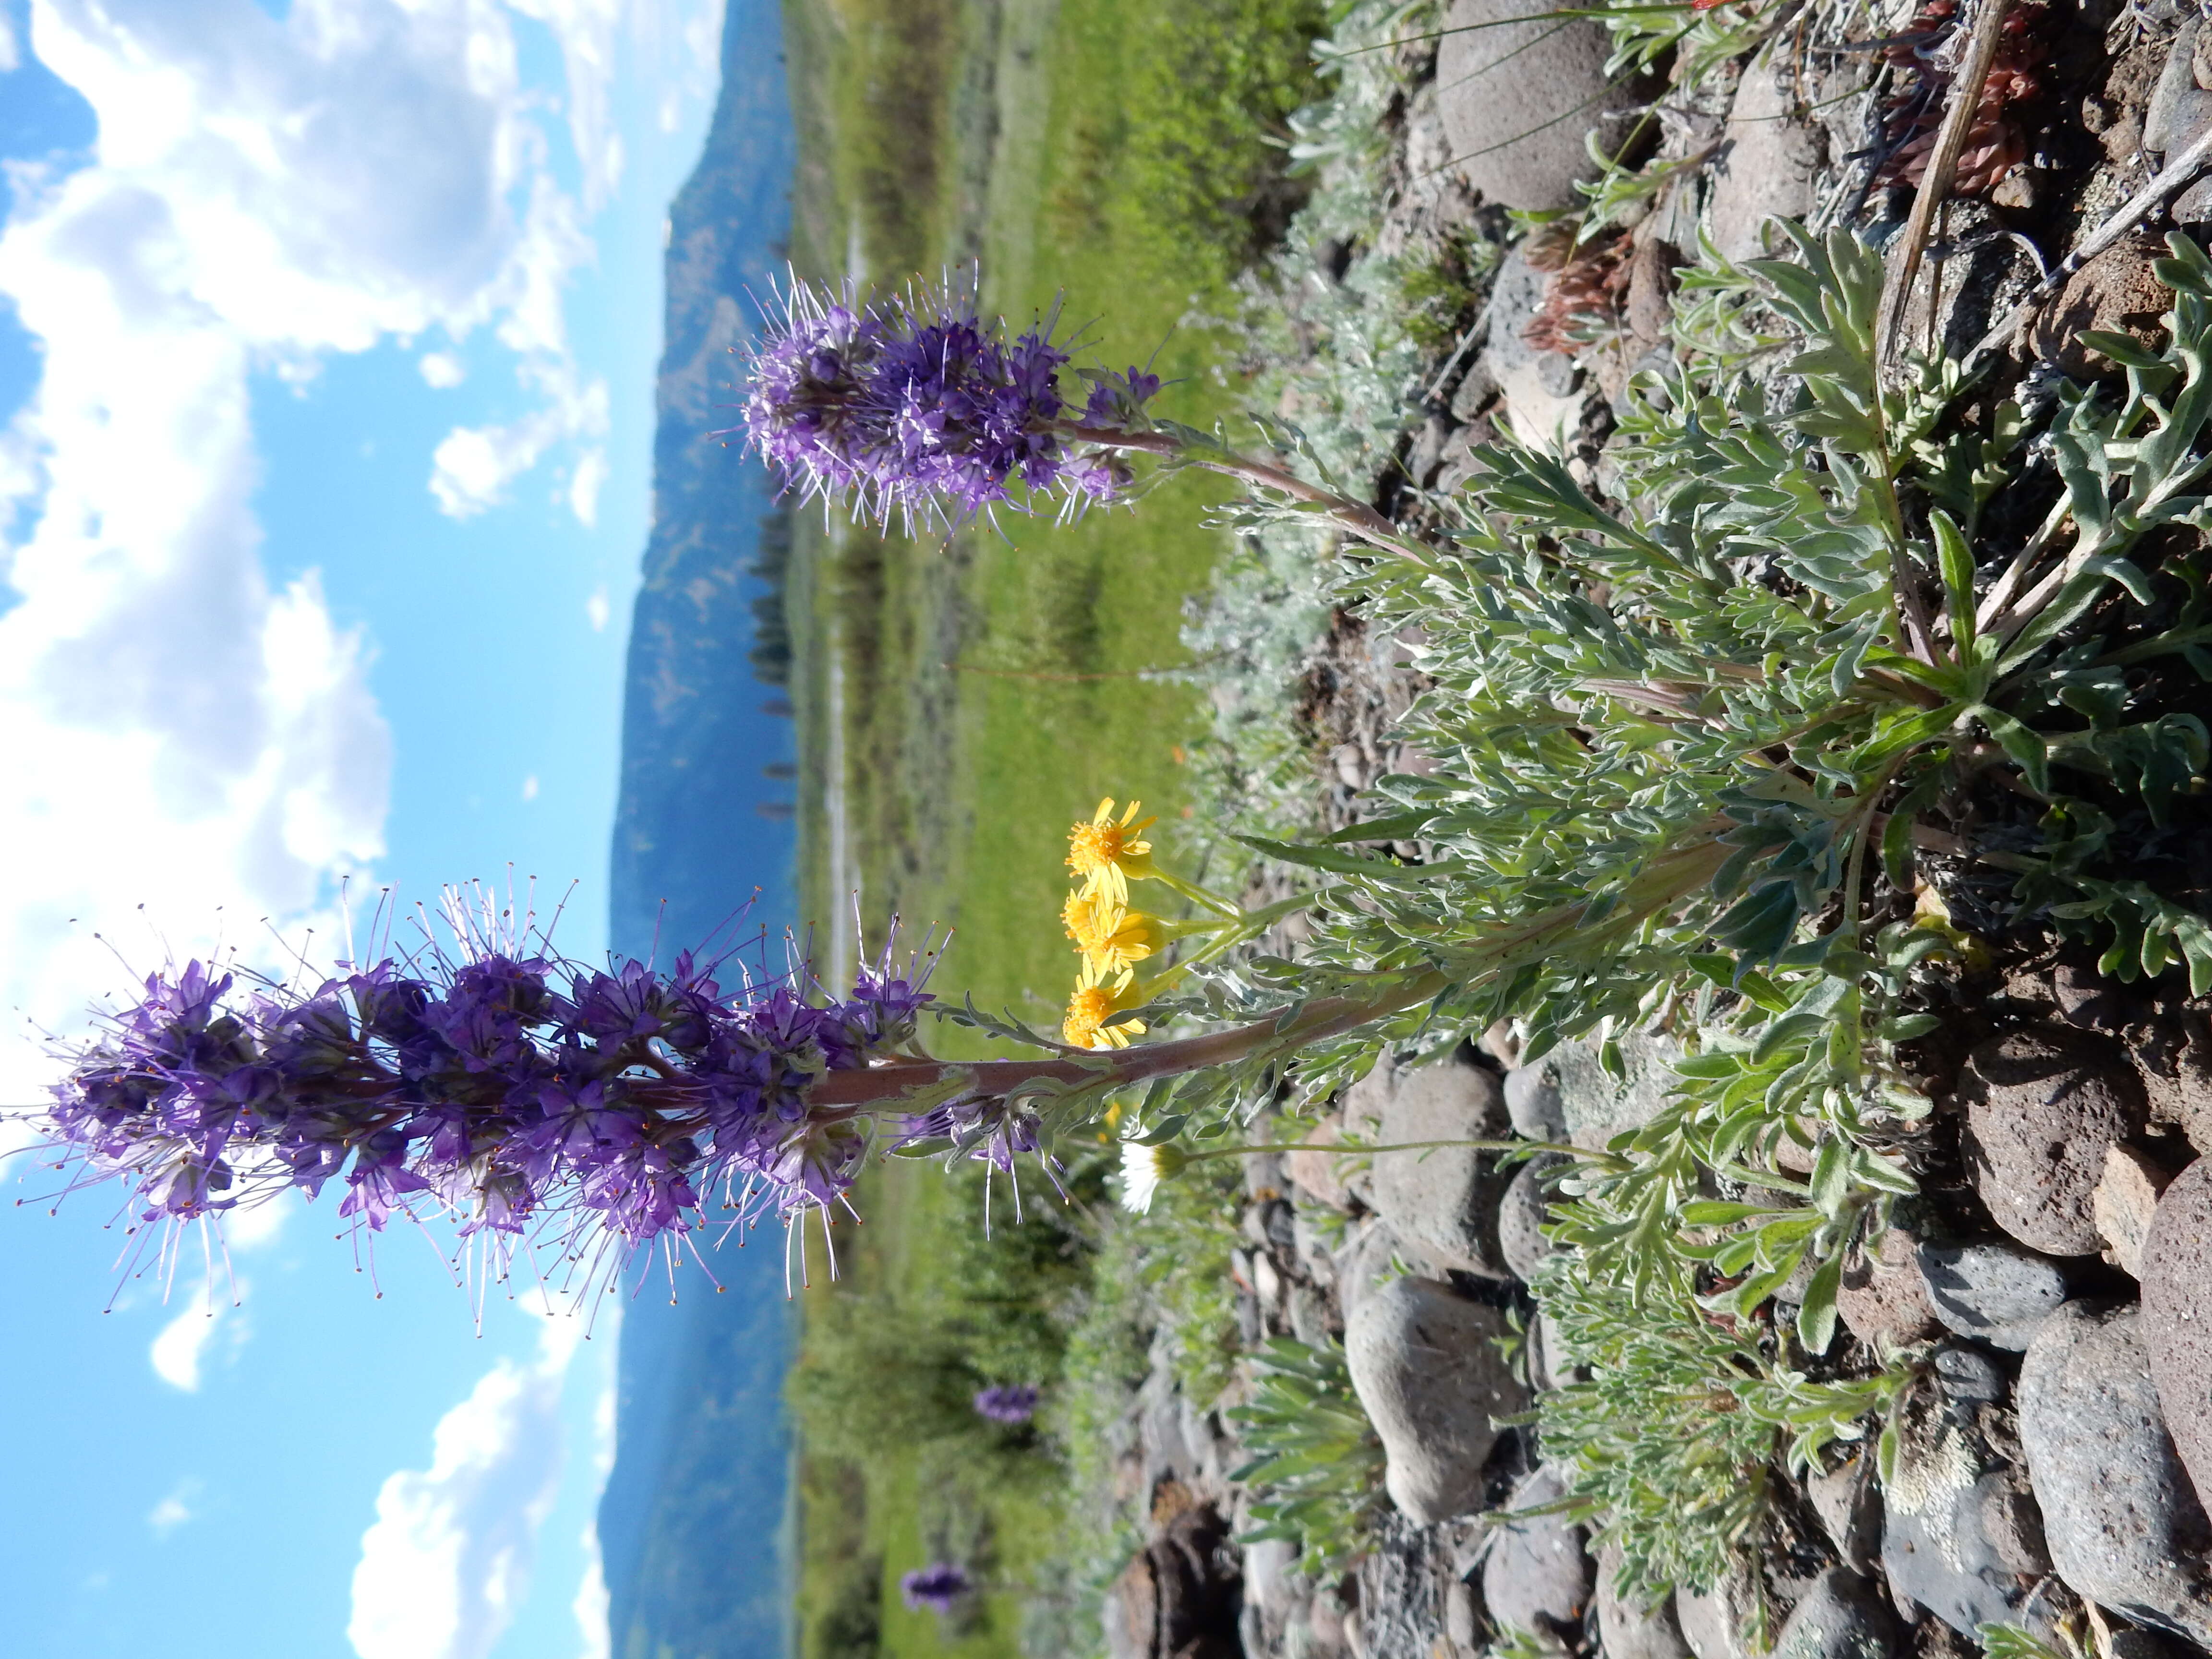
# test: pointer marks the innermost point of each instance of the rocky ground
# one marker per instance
(2058, 1454)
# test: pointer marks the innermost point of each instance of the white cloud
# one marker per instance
(587, 30)
(590, 1604)
(11, 56)
(179, 1351)
(442, 370)
(592, 1601)
(447, 1561)
(254, 1227)
(596, 610)
(583, 488)
(173, 1511)
(530, 787)
(175, 728)
(472, 466)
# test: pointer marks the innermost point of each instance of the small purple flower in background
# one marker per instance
(936, 1587)
(914, 404)
(1008, 1403)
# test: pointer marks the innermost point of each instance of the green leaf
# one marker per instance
(2027, 750)
(1830, 1181)
(1956, 561)
(1397, 826)
(1816, 1314)
(2123, 348)
(1348, 864)
(1712, 1212)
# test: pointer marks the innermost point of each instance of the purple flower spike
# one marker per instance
(461, 1082)
(936, 1587)
(467, 1086)
(914, 404)
(1010, 1403)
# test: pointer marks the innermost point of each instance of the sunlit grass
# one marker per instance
(962, 699)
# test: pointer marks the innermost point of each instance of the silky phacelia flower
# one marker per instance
(936, 1587)
(1010, 1403)
(914, 404)
(496, 1085)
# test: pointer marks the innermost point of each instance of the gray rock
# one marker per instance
(1968, 1377)
(1267, 1282)
(1992, 1290)
(1426, 1367)
(1328, 1623)
(1933, 1550)
(1713, 1621)
(1310, 1316)
(1462, 1619)
(1516, 97)
(2162, 117)
(2121, 1522)
(1264, 1176)
(1200, 1432)
(1521, 1239)
(2126, 1199)
(1848, 1501)
(1310, 1242)
(1159, 1430)
(1531, 1100)
(1625, 1631)
(2012, 1523)
(1268, 1566)
(2177, 1315)
(1537, 1576)
(1368, 1257)
(1882, 1298)
(1269, 1224)
(1839, 1618)
(1360, 1106)
(1768, 166)
(2042, 1106)
(2173, 1053)
(1320, 1175)
(1596, 1104)
(1538, 387)
(1548, 1362)
(1445, 1199)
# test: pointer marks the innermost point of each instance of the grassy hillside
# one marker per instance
(962, 698)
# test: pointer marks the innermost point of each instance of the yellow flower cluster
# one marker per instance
(1107, 853)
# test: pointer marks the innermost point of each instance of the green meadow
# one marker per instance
(962, 697)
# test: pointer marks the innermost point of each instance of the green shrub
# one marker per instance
(1316, 1475)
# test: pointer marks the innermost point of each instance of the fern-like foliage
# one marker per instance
(1316, 1475)
(1695, 726)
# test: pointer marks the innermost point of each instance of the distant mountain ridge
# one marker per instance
(693, 1524)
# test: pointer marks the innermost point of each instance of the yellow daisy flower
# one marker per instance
(1106, 852)
(1094, 1003)
(1110, 937)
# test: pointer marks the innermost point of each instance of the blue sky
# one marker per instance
(327, 333)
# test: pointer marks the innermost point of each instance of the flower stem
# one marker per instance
(1197, 895)
(1357, 1149)
(1320, 1021)
(1356, 516)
